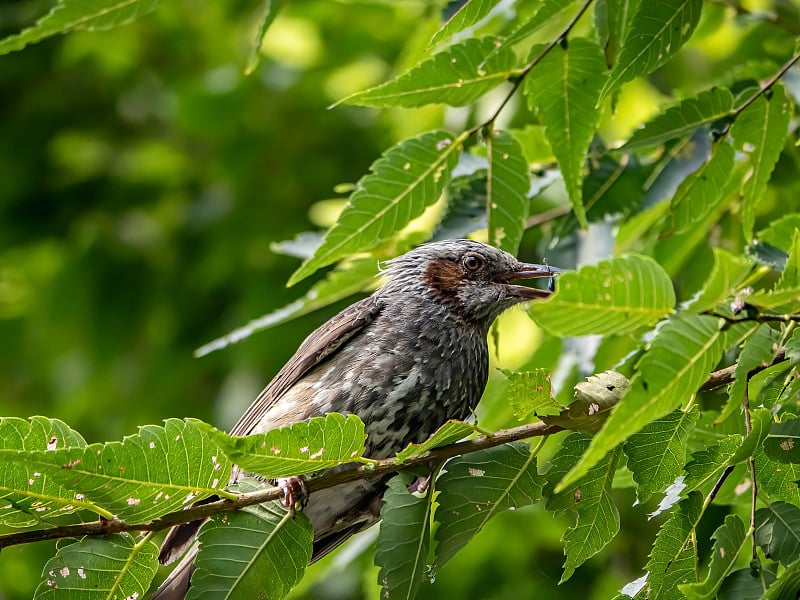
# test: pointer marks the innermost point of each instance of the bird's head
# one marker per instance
(473, 279)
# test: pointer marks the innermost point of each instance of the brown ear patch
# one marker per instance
(444, 277)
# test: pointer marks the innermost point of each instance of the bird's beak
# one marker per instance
(531, 271)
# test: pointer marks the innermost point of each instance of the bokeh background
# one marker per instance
(143, 179)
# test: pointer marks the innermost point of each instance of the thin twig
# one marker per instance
(715, 490)
(725, 376)
(748, 423)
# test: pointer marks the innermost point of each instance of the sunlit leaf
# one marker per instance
(783, 442)
(477, 486)
(614, 296)
(404, 538)
(256, 552)
(778, 531)
(507, 191)
(70, 15)
(619, 14)
(564, 89)
(729, 540)
(728, 272)
(99, 568)
(270, 10)
(452, 431)
(547, 11)
(760, 132)
(409, 177)
(657, 31)
(684, 118)
(780, 232)
(529, 393)
(708, 462)
(590, 496)
(458, 75)
(468, 14)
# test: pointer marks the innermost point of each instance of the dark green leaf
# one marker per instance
(787, 585)
(507, 191)
(747, 584)
(778, 531)
(783, 442)
(409, 177)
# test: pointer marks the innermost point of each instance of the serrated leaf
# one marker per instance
(747, 584)
(657, 31)
(468, 14)
(303, 447)
(547, 12)
(270, 10)
(457, 76)
(590, 496)
(760, 132)
(343, 281)
(594, 399)
(29, 496)
(409, 177)
(159, 470)
(684, 118)
(678, 361)
(619, 14)
(673, 559)
(780, 232)
(778, 531)
(783, 442)
(466, 208)
(706, 463)
(477, 486)
(758, 350)
(403, 540)
(507, 191)
(529, 393)
(727, 273)
(564, 88)
(787, 585)
(761, 424)
(69, 15)
(449, 433)
(257, 552)
(729, 540)
(703, 190)
(777, 481)
(99, 568)
(790, 278)
(657, 453)
(614, 296)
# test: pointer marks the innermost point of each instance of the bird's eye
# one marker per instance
(472, 263)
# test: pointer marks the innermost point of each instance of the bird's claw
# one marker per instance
(295, 494)
(420, 484)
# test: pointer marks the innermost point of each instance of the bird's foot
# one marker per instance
(420, 484)
(295, 494)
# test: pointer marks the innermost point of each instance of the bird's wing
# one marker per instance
(317, 347)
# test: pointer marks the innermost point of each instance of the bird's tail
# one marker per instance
(176, 585)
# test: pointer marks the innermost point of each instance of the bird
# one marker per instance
(406, 359)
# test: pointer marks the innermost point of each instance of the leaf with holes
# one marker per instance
(113, 566)
(564, 88)
(477, 486)
(729, 540)
(614, 296)
(469, 14)
(268, 555)
(506, 191)
(760, 132)
(304, 447)
(456, 76)
(404, 539)
(159, 470)
(783, 442)
(70, 15)
(684, 118)
(728, 272)
(529, 393)
(408, 178)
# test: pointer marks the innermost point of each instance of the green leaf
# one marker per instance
(758, 350)
(257, 552)
(466, 208)
(340, 283)
(456, 76)
(783, 442)
(404, 539)
(408, 178)
(777, 481)
(548, 12)
(787, 584)
(619, 14)
(469, 13)
(790, 279)
(452, 431)
(529, 393)
(778, 531)
(614, 296)
(728, 272)
(69, 15)
(761, 424)
(303, 447)
(684, 118)
(477, 486)
(564, 89)
(269, 12)
(703, 190)
(706, 463)
(657, 31)
(729, 540)
(760, 132)
(507, 191)
(678, 361)
(673, 559)
(159, 470)
(114, 566)
(656, 454)
(780, 232)
(29, 496)
(594, 399)
(747, 584)
(590, 496)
